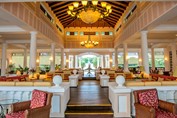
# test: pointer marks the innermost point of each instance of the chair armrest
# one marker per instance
(40, 112)
(171, 107)
(144, 111)
(20, 106)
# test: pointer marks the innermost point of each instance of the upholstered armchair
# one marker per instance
(147, 105)
(38, 107)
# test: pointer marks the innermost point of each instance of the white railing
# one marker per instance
(61, 96)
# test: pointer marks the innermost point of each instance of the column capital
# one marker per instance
(33, 32)
(144, 32)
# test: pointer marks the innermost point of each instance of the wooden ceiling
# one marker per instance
(60, 10)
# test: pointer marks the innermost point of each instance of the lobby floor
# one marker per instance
(89, 92)
(89, 100)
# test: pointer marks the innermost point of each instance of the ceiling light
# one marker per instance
(75, 4)
(89, 13)
(103, 4)
(89, 43)
(84, 2)
(71, 8)
(95, 2)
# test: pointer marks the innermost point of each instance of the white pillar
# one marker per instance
(33, 50)
(110, 60)
(115, 58)
(125, 58)
(104, 64)
(3, 62)
(74, 61)
(140, 58)
(144, 50)
(173, 49)
(98, 62)
(67, 60)
(80, 62)
(52, 66)
(62, 58)
(25, 58)
(153, 58)
(166, 59)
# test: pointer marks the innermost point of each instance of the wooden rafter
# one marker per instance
(61, 7)
(119, 3)
(66, 18)
(57, 4)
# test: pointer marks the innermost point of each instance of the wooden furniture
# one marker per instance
(147, 105)
(38, 107)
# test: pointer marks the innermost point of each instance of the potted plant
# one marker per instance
(32, 71)
(25, 70)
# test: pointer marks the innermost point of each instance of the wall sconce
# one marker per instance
(10, 61)
(110, 60)
(127, 58)
(50, 58)
(166, 59)
(139, 60)
(37, 60)
(67, 60)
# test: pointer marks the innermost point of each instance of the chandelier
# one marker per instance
(90, 11)
(89, 43)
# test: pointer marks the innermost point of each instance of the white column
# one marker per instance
(153, 58)
(3, 62)
(125, 58)
(144, 50)
(62, 58)
(80, 62)
(104, 64)
(115, 58)
(173, 49)
(67, 60)
(33, 50)
(52, 66)
(98, 62)
(110, 60)
(74, 61)
(140, 58)
(167, 59)
(25, 58)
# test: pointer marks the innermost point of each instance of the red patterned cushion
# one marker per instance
(19, 114)
(38, 99)
(164, 114)
(149, 98)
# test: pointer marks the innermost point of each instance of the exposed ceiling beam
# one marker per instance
(61, 7)
(119, 3)
(57, 4)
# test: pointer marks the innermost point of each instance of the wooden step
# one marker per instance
(89, 111)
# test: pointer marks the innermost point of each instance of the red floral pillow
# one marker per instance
(39, 99)
(149, 98)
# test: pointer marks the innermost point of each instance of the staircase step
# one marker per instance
(90, 107)
(89, 111)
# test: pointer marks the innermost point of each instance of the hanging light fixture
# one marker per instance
(90, 13)
(89, 43)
